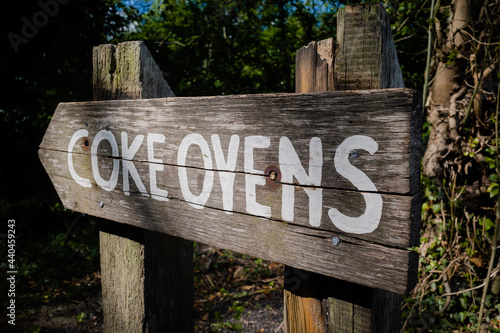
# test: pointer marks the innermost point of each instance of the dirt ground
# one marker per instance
(233, 293)
(264, 315)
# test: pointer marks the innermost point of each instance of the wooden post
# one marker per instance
(147, 277)
(365, 58)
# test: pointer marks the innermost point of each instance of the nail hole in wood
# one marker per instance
(85, 143)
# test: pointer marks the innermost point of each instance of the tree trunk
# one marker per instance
(447, 89)
(458, 68)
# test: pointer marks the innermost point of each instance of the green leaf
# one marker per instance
(491, 150)
(463, 303)
(493, 189)
(436, 208)
(491, 162)
(488, 224)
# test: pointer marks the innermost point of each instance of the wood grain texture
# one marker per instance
(394, 229)
(127, 71)
(306, 315)
(304, 247)
(365, 59)
(386, 309)
(310, 75)
(384, 115)
(314, 67)
(346, 317)
(320, 114)
(366, 56)
(147, 277)
(122, 273)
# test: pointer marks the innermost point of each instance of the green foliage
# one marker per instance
(46, 266)
(458, 215)
(228, 47)
(454, 250)
(234, 324)
(409, 24)
(34, 329)
(80, 316)
(452, 56)
(453, 260)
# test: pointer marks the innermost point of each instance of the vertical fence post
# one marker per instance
(364, 57)
(147, 277)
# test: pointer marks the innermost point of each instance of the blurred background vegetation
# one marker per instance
(219, 47)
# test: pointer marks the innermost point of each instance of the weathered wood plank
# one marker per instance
(346, 317)
(294, 241)
(394, 228)
(386, 308)
(387, 116)
(304, 247)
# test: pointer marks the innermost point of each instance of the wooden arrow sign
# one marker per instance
(326, 182)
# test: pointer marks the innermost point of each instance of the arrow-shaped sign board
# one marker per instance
(326, 182)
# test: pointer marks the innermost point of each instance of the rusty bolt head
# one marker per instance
(273, 176)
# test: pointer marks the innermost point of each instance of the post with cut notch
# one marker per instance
(147, 276)
(363, 57)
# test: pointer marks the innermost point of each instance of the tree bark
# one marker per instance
(447, 90)
(458, 61)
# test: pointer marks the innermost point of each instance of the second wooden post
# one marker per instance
(363, 57)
